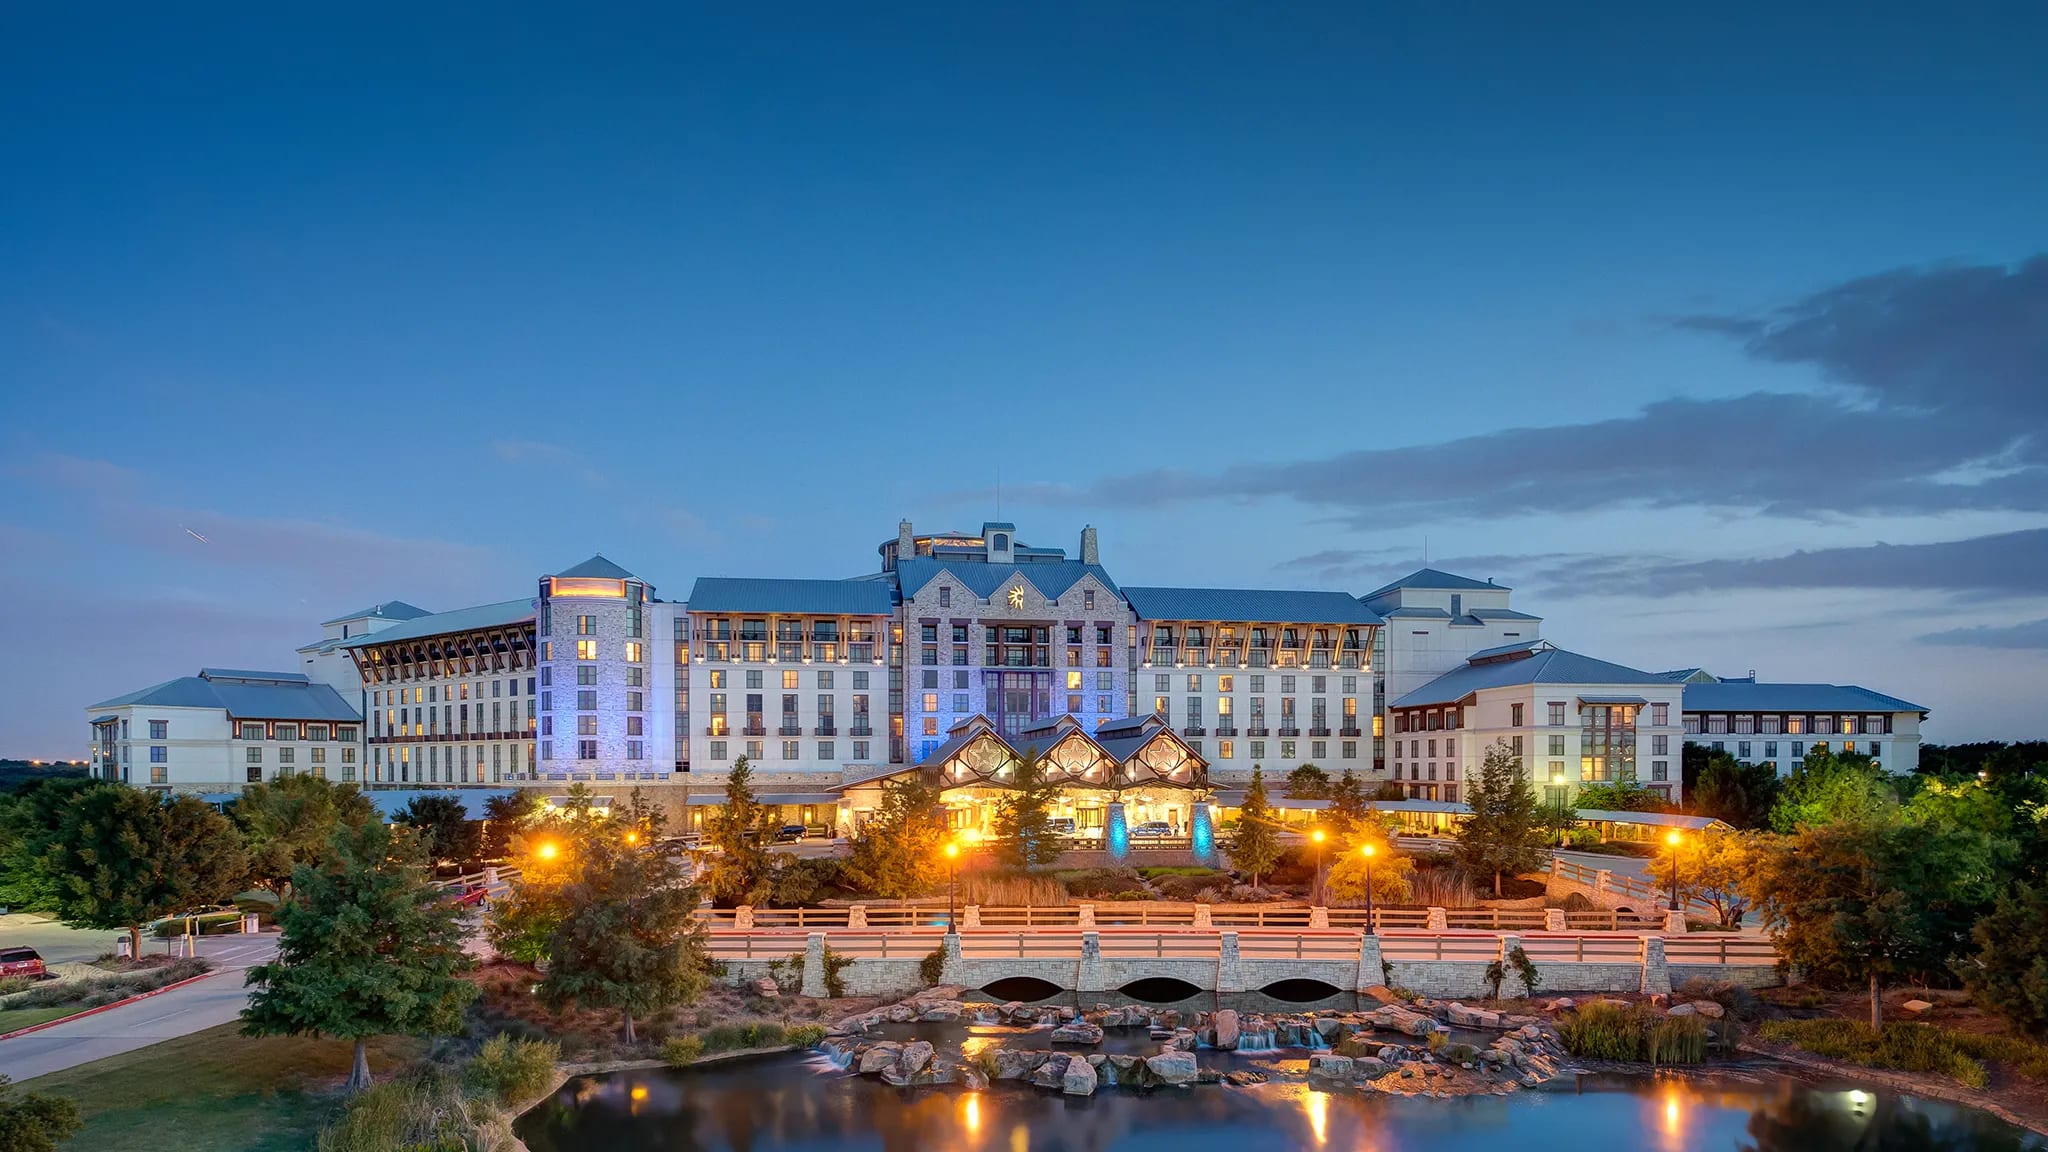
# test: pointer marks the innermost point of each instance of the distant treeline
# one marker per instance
(1997, 757)
(15, 773)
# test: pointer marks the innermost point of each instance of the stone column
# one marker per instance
(970, 916)
(1600, 879)
(1202, 833)
(1508, 943)
(1369, 971)
(491, 875)
(743, 918)
(1116, 834)
(814, 965)
(1656, 976)
(1230, 973)
(1319, 917)
(1202, 919)
(1087, 915)
(950, 971)
(1553, 920)
(1674, 922)
(1088, 977)
(857, 916)
(1437, 922)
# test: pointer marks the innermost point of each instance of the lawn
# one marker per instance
(17, 1018)
(216, 1090)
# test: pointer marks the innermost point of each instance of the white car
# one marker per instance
(1151, 830)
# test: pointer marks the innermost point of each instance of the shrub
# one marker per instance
(508, 1070)
(13, 984)
(1496, 972)
(1185, 887)
(1442, 888)
(34, 1122)
(1104, 883)
(804, 1035)
(2029, 1058)
(836, 964)
(107, 990)
(1003, 889)
(678, 1051)
(1902, 1045)
(1619, 1032)
(1525, 968)
(932, 969)
(738, 1037)
(426, 1112)
(1738, 1001)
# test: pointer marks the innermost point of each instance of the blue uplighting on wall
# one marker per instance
(1202, 833)
(1116, 833)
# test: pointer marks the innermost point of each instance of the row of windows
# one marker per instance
(265, 730)
(790, 749)
(435, 693)
(454, 764)
(634, 651)
(946, 599)
(1742, 724)
(454, 719)
(791, 678)
(1317, 685)
(1796, 748)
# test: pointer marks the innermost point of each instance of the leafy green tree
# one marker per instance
(1308, 782)
(445, 830)
(291, 821)
(34, 1122)
(1740, 795)
(368, 948)
(121, 858)
(2009, 972)
(1620, 796)
(1256, 849)
(1717, 868)
(1504, 834)
(629, 940)
(504, 817)
(1349, 812)
(1391, 875)
(1827, 788)
(900, 851)
(30, 818)
(1024, 838)
(738, 870)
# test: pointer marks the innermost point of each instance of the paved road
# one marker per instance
(56, 943)
(215, 1000)
(1635, 866)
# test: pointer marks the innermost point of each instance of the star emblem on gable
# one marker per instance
(1016, 595)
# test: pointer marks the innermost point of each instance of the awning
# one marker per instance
(1654, 819)
(717, 798)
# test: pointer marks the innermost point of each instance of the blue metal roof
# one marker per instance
(244, 696)
(1435, 580)
(442, 623)
(1414, 613)
(1249, 604)
(1545, 664)
(1500, 614)
(1746, 696)
(597, 568)
(1504, 649)
(389, 610)
(1051, 577)
(860, 597)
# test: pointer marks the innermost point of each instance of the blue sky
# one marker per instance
(1622, 307)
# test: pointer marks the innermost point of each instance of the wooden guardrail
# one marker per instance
(1173, 915)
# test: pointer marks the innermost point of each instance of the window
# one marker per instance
(1514, 715)
(635, 702)
(586, 625)
(754, 678)
(1258, 749)
(1194, 682)
(633, 725)
(252, 756)
(635, 750)
(1319, 749)
(586, 699)
(1770, 749)
(632, 652)
(252, 731)
(931, 701)
(586, 749)
(1660, 745)
(586, 725)
(1287, 749)
(1741, 749)
(792, 749)
(586, 649)
(1087, 597)
(1660, 714)
(1225, 749)
(824, 679)
(158, 754)
(1350, 750)
(1557, 745)
(718, 749)
(255, 775)
(945, 596)
(1556, 713)
(316, 731)
(1660, 769)
(860, 749)
(159, 729)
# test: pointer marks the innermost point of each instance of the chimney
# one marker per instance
(1089, 551)
(906, 545)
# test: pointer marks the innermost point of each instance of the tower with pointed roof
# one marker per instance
(1434, 621)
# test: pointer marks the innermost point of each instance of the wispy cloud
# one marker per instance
(2033, 634)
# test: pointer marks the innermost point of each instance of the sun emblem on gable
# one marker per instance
(1016, 595)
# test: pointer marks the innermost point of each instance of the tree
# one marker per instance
(2009, 972)
(1827, 788)
(738, 870)
(900, 851)
(1257, 846)
(1741, 795)
(446, 832)
(1391, 876)
(630, 939)
(1023, 838)
(504, 817)
(1504, 834)
(1349, 812)
(1621, 796)
(34, 1122)
(291, 820)
(368, 948)
(1717, 868)
(1307, 782)
(30, 819)
(121, 857)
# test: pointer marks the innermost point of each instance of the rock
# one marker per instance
(1022, 1014)
(1356, 1045)
(1461, 1016)
(879, 1057)
(970, 1077)
(900, 1013)
(1659, 1000)
(916, 1056)
(1068, 1015)
(1244, 1077)
(1330, 1066)
(1562, 1004)
(1052, 1073)
(1711, 1009)
(1402, 1020)
(1172, 1067)
(1078, 1032)
(1183, 1039)
(1226, 1029)
(1017, 1063)
(1370, 1067)
(1680, 1010)
(1917, 1006)
(1079, 1079)
(942, 1011)
(766, 988)
(1328, 1026)
(1381, 993)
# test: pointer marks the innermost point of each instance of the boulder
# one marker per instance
(879, 1058)
(1369, 1067)
(970, 1077)
(1917, 1006)
(1711, 1009)
(1381, 993)
(900, 1013)
(1021, 1013)
(1052, 1073)
(1017, 1063)
(943, 1010)
(1172, 1067)
(1680, 1010)
(1078, 1032)
(1356, 1045)
(1330, 1066)
(1079, 1079)
(1226, 1029)
(766, 988)
(1328, 1026)
(1462, 1017)
(1402, 1020)
(1067, 1015)
(1562, 1004)
(1244, 1077)
(915, 1057)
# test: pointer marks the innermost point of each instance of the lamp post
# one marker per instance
(1317, 836)
(952, 859)
(1671, 838)
(1557, 794)
(1366, 851)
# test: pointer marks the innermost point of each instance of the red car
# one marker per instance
(17, 963)
(468, 895)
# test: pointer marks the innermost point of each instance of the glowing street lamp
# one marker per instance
(1365, 850)
(1672, 838)
(547, 850)
(1317, 836)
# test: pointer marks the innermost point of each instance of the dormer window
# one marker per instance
(945, 596)
(1002, 541)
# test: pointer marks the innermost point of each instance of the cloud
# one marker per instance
(2032, 634)
(1943, 407)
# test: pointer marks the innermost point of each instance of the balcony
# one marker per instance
(1319, 731)
(1226, 730)
(1194, 730)
(828, 729)
(1289, 730)
(790, 730)
(719, 730)
(1258, 730)
(754, 730)
(1349, 733)
(859, 730)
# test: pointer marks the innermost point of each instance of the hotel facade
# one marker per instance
(958, 653)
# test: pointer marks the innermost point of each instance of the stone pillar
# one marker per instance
(814, 966)
(1674, 922)
(1319, 917)
(1087, 915)
(1202, 919)
(949, 971)
(1508, 943)
(491, 875)
(1553, 920)
(1202, 833)
(970, 916)
(1088, 977)
(857, 916)
(1230, 974)
(1116, 834)
(743, 918)
(1600, 879)
(1369, 971)
(1656, 976)
(1437, 922)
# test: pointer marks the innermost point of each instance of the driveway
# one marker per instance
(58, 944)
(217, 999)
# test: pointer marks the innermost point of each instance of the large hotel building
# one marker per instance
(960, 652)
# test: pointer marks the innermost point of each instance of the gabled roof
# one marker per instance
(860, 597)
(1436, 580)
(497, 615)
(598, 568)
(1748, 696)
(1536, 662)
(1249, 604)
(389, 610)
(1052, 578)
(244, 695)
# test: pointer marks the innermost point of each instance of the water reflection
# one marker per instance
(785, 1105)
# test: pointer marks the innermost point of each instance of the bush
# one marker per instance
(107, 990)
(739, 1037)
(426, 1112)
(1103, 883)
(678, 1051)
(800, 881)
(1009, 890)
(836, 964)
(932, 969)
(1186, 887)
(508, 1070)
(34, 1122)
(804, 1035)
(1635, 1034)
(1903, 1046)
(13, 984)
(1738, 1001)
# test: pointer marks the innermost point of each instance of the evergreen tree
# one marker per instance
(629, 939)
(446, 832)
(504, 817)
(1023, 836)
(1504, 834)
(121, 857)
(291, 820)
(368, 948)
(1349, 812)
(1308, 782)
(900, 852)
(1256, 848)
(2009, 972)
(1739, 794)
(739, 870)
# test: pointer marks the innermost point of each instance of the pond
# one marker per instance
(786, 1103)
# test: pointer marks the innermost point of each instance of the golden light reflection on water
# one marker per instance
(1316, 1106)
(970, 1113)
(1020, 1139)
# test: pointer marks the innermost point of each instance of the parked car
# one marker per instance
(789, 833)
(22, 963)
(1152, 830)
(1061, 827)
(472, 893)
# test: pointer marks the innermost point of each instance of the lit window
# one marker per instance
(632, 651)
(586, 649)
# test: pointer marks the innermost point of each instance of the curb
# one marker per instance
(105, 1007)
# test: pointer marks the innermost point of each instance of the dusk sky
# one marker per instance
(1721, 335)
